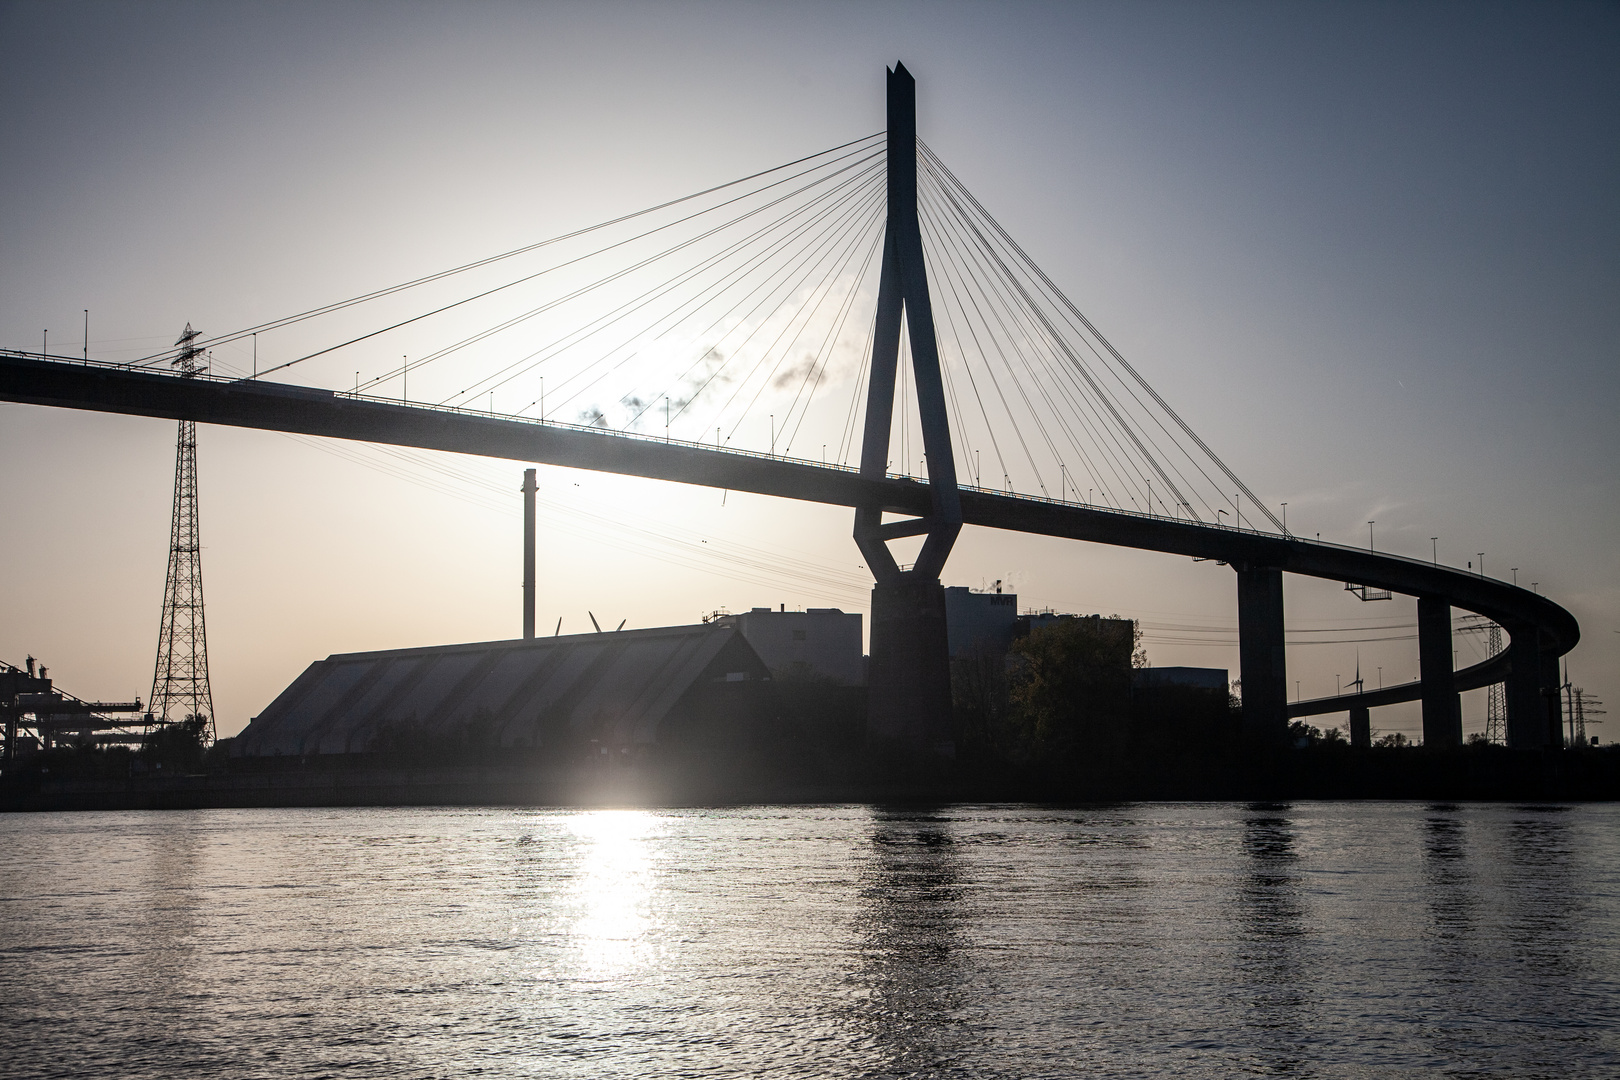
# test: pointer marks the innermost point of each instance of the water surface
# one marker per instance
(1320, 939)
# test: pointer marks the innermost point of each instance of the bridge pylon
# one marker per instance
(908, 679)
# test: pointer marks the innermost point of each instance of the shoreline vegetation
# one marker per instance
(811, 749)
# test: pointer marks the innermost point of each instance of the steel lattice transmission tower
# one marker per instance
(180, 682)
(1496, 696)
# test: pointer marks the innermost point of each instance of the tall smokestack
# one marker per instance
(528, 554)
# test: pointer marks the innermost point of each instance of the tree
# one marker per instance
(1070, 689)
(178, 747)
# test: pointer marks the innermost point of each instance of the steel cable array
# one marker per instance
(743, 315)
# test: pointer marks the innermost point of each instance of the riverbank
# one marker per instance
(1469, 774)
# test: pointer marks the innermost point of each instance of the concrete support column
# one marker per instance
(1441, 725)
(909, 675)
(1360, 726)
(1262, 659)
(1527, 727)
(1552, 699)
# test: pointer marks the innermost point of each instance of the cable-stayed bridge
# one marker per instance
(864, 301)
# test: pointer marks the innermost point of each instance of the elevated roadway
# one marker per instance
(1540, 631)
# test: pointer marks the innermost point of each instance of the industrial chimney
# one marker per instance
(528, 554)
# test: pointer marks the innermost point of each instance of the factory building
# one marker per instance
(820, 643)
(978, 623)
(620, 692)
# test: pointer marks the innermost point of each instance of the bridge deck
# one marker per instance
(74, 384)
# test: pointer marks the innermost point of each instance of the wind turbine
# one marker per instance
(1356, 682)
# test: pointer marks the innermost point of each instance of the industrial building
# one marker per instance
(1194, 678)
(620, 692)
(35, 714)
(980, 622)
(819, 643)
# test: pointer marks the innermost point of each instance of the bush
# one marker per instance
(177, 747)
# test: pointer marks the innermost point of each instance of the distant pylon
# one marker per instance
(180, 682)
(1496, 696)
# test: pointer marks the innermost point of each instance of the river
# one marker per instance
(1137, 940)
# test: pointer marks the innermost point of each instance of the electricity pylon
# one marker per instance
(1496, 695)
(180, 682)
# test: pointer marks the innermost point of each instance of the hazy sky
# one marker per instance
(1370, 252)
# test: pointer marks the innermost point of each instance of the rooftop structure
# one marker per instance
(980, 621)
(622, 690)
(824, 642)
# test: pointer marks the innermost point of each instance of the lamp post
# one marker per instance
(1434, 549)
(1369, 536)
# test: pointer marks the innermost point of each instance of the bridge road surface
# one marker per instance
(1539, 629)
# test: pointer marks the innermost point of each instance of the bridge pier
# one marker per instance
(1360, 726)
(1442, 723)
(909, 675)
(1262, 658)
(1534, 716)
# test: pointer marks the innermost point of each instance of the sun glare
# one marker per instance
(613, 899)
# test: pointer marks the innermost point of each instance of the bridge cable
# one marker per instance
(580, 334)
(1157, 466)
(997, 299)
(1076, 312)
(1119, 419)
(526, 249)
(848, 223)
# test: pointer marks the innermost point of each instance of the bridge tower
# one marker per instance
(180, 682)
(909, 703)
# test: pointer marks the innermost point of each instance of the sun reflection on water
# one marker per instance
(613, 915)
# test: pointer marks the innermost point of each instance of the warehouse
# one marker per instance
(621, 692)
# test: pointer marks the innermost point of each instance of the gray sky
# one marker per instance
(1368, 251)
